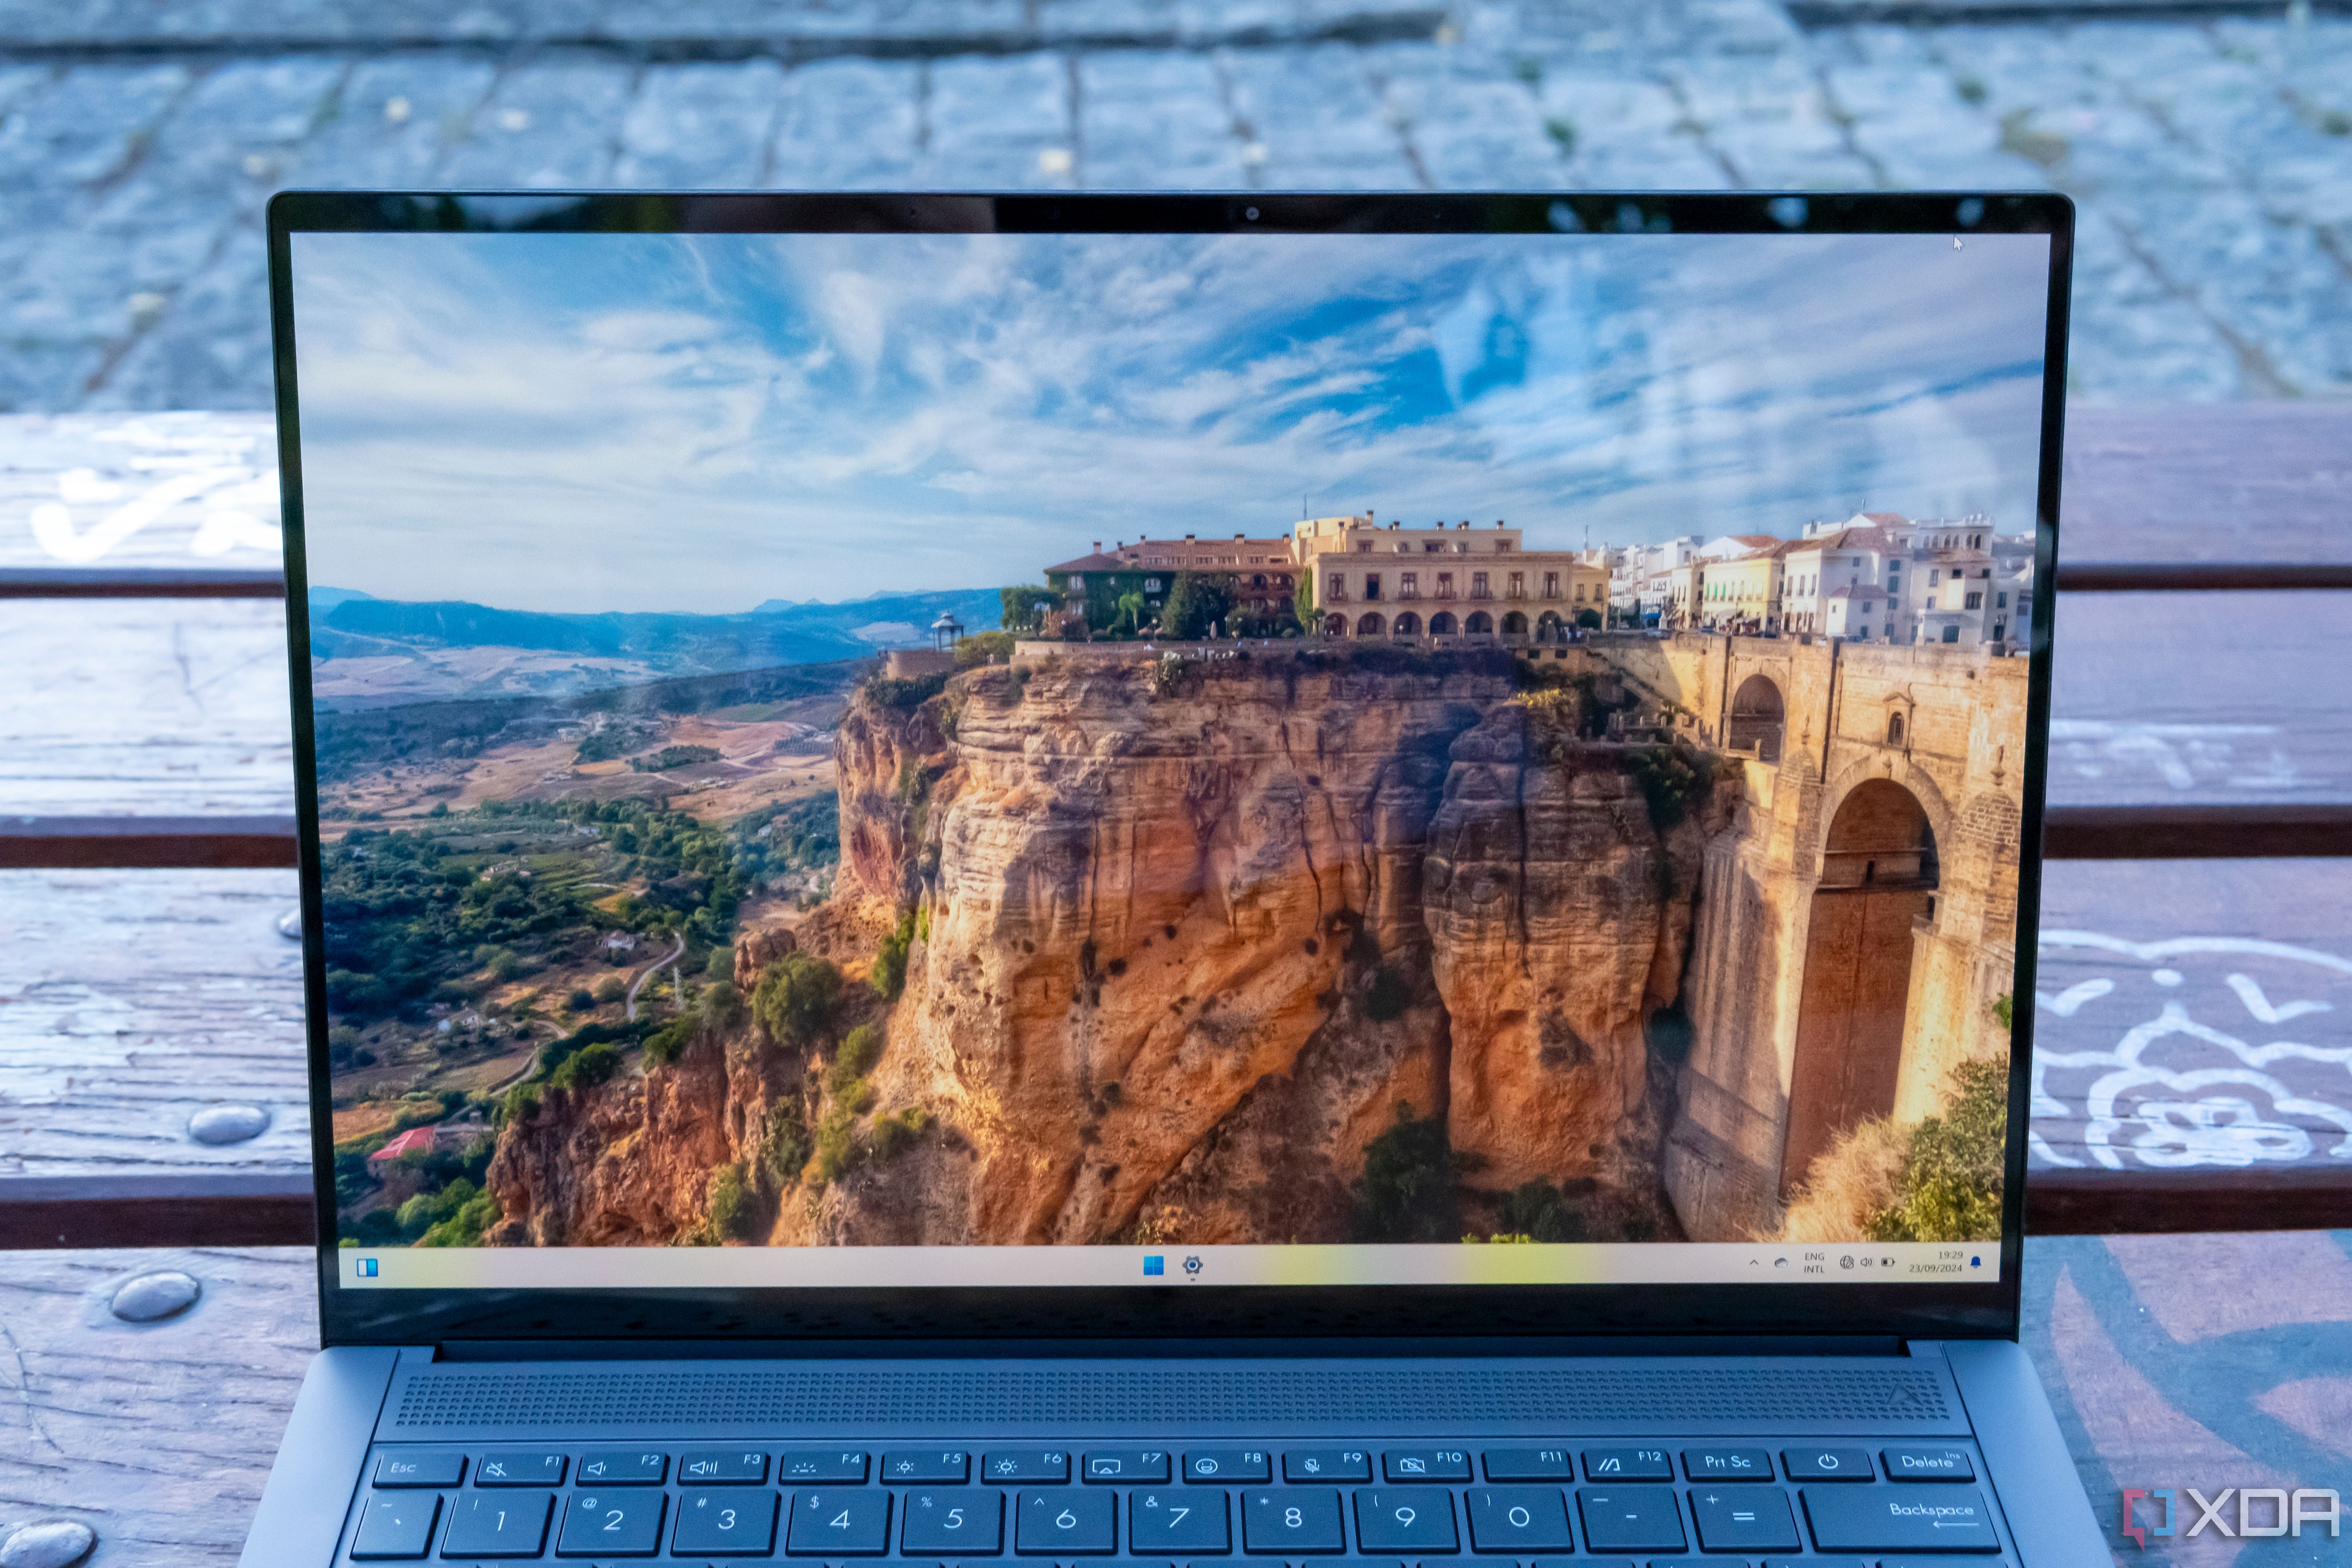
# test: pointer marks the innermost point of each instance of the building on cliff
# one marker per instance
(1262, 572)
(1392, 580)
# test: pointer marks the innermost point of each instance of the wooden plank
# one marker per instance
(182, 1209)
(131, 1002)
(186, 493)
(138, 583)
(147, 996)
(2198, 699)
(158, 1436)
(2193, 1046)
(2198, 832)
(2172, 701)
(170, 707)
(2249, 495)
(2208, 484)
(2163, 1203)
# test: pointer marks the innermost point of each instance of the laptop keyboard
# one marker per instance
(1665, 1504)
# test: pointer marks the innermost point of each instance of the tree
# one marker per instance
(1302, 599)
(1129, 619)
(1588, 620)
(1024, 604)
(795, 998)
(1195, 604)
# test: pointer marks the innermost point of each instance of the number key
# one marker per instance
(612, 1524)
(725, 1524)
(1289, 1521)
(484, 1525)
(1066, 1521)
(959, 1523)
(1389, 1519)
(1518, 1518)
(839, 1524)
(1175, 1522)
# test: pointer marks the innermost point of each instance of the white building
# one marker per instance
(1855, 555)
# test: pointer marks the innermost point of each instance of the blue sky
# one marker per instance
(633, 422)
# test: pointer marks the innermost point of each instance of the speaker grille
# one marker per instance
(1062, 1397)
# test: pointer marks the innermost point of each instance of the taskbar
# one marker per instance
(1172, 1266)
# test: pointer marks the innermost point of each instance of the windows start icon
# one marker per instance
(1154, 1265)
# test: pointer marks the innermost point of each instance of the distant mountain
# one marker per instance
(461, 642)
(770, 606)
(327, 598)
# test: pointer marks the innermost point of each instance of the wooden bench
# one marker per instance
(2201, 782)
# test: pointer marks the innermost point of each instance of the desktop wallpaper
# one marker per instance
(1005, 740)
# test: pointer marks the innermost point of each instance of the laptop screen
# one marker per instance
(1161, 760)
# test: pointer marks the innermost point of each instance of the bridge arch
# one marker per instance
(1879, 875)
(1758, 717)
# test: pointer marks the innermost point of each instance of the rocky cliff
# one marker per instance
(1194, 939)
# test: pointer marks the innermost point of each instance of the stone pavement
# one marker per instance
(139, 139)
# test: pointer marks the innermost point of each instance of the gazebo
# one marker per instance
(945, 632)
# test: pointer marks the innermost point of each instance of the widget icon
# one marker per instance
(366, 1268)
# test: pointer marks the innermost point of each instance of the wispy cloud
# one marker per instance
(673, 422)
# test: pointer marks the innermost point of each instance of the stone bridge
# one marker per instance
(1857, 926)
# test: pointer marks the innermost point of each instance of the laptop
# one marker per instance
(1175, 880)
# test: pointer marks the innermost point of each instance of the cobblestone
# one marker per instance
(2211, 160)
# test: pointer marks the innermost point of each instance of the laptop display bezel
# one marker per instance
(1153, 1312)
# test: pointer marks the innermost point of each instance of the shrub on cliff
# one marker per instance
(982, 647)
(1408, 1188)
(587, 1066)
(860, 1049)
(784, 1142)
(895, 1133)
(905, 696)
(730, 1202)
(889, 975)
(796, 999)
(1951, 1183)
(1674, 780)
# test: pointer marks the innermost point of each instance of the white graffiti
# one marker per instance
(2176, 1092)
(237, 497)
(2183, 755)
